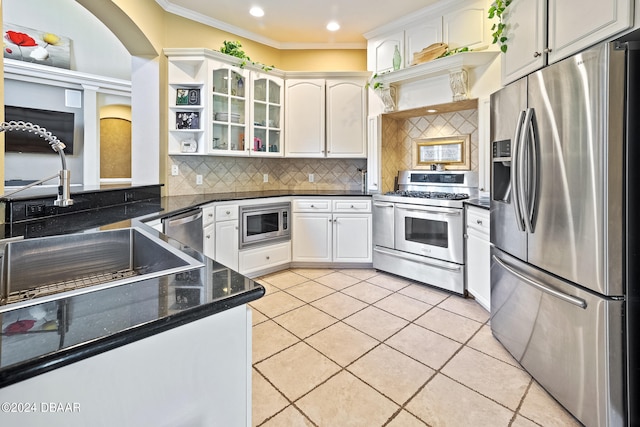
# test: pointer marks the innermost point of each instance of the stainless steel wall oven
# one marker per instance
(265, 224)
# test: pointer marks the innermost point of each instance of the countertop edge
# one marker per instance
(37, 366)
(478, 203)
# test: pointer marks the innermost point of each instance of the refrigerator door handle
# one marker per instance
(515, 172)
(530, 181)
(544, 288)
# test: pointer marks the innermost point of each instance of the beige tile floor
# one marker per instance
(357, 347)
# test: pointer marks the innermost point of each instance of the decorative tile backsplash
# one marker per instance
(230, 174)
(398, 136)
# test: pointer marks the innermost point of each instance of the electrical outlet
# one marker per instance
(174, 170)
(198, 179)
(311, 177)
(265, 177)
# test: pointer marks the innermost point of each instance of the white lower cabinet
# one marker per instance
(352, 238)
(340, 233)
(226, 237)
(209, 241)
(478, 255)
(312, 237)
(264, 258)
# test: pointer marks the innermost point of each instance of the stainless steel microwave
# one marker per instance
(265, 224)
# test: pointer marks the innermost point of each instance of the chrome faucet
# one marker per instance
(64, 176)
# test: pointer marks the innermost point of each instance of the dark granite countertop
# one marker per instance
(46, 336)
(482, 202)
(175, 204)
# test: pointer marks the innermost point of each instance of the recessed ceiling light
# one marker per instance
(256, 11)
(333, 26)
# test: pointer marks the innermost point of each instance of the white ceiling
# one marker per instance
(297, 24)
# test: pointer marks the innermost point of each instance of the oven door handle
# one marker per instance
(443, 213)
(417, 258)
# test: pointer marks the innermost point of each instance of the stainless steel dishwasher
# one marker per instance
(185, 228)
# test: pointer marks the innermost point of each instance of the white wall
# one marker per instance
(94, 48)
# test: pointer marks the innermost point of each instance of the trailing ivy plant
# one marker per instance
(234, 48)
(496, 11)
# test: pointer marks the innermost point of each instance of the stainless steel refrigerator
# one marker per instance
(565, 252)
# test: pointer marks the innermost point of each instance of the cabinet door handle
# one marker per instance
(352, 206)
(207, 236)
(479, 221)
(547, 50)
(536, 54)
(268, 258)
(228, 212)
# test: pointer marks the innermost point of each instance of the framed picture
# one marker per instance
(188, 120)
(182, 96)
(185, 96)
(452, 152)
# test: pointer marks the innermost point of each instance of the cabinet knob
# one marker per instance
(210, 215)
(208, 237)
(228, 212)
(268, 258)
(236, 227)
(312, 206)
(536, 54)
(352, 206)
(547, 50)
(478, 221)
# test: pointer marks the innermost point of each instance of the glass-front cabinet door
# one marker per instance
(229, 110)
(267, 113)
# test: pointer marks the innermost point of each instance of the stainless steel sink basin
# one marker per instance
(34, 269)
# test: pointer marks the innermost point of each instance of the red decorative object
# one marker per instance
(19, 327)
(21, 39)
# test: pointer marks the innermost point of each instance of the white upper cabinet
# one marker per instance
(267, 112)
(326, 118)
(419, 36)
(346, 119)
(217, 107)
(526, 38)
(305, 113)
(571, 31)
(380, 51)
(540, 34)
(458, 23)
(466, 27)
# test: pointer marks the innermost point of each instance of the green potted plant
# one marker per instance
(496, 11)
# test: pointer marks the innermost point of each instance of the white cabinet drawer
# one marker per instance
(226, 212)
(351, 206)
(257, 259)
(312, 205)
(478, 220)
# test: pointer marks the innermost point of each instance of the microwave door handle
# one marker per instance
(515, 175)
(541, 287)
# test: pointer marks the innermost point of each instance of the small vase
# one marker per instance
(397, 59)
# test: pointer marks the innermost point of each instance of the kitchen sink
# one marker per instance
(47, 268)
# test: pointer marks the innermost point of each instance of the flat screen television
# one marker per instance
(59, 123)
